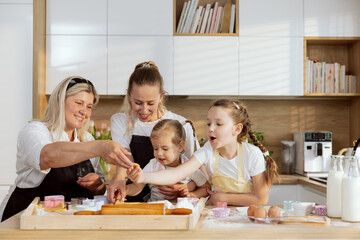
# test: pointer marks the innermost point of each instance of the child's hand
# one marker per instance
(215, 197)
(182, 189)
(136, 174)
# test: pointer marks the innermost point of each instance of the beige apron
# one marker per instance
(222, 183)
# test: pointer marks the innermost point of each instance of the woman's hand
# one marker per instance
(136, 174)
(115, 154)
(92, 182)
(116, 190)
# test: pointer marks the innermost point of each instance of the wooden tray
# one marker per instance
(59, 221)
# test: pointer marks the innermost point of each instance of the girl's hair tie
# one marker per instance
(146, 65)
(236, 105)
(266, 154)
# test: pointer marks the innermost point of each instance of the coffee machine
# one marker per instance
(313, 153)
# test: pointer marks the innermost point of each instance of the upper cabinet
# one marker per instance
(80, 17)
(276, 18)
(125, 52)
(206, 66)
(83, 56)
(332, 18)
(140, 17)
(271, 66)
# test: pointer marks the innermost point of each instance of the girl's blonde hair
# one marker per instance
(145, 73)
(54, 117)
(239, 114)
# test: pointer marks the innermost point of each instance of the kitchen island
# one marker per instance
(219, 229)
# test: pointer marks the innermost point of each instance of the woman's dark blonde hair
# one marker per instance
(54, 117)
(145, 73)
(239, 114)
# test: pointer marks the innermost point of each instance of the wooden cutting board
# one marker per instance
(307, 220)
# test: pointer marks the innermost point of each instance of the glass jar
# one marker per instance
(350, 192)
(333, 187)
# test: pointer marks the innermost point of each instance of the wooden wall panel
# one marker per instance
(277, 119)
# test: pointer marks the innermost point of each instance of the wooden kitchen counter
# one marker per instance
(298, 179)
(337, 230)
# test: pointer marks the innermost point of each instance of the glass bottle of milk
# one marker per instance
(350, 196)
(333, 187)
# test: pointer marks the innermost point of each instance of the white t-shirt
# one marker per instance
(253, 159)
(118, 130)
(31, 140)
(198, 177)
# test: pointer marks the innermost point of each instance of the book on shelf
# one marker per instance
(225, 26)
(191, 16)
(218, 20)
(181, 20)
(185, 17)
(205, 18)
(208, 25)
(213, 20)
(323, 76)
(336, 77)
(195, 21)
(342, 79)
(200, 20)
(232, 19)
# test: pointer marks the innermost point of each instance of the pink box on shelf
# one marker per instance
(53, 200)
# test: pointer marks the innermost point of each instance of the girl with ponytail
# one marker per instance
(240, 173)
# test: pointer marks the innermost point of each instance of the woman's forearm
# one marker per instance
(63, 154)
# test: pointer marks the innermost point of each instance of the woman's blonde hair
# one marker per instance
(239, 114)
(145, 73)
(54, 117)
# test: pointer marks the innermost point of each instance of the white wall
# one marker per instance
(16, 52)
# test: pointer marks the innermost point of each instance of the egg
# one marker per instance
(274, 211)
(260, 212)
(250, 211)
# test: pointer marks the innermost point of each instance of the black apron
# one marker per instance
(59, 181)
(142, 152)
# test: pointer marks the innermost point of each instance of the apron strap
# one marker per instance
(240, 162)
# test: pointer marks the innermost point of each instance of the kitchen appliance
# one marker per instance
(313, 153)
(287, 157)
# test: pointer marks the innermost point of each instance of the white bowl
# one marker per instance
(303, 208)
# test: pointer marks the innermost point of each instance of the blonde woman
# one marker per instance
(53, 153)
(143, 107)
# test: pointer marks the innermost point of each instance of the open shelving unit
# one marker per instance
(345, 51)
(178, 6)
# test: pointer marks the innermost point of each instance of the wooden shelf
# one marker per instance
(178, 5)
(343, 50)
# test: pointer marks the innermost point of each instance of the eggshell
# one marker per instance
(260, 212)
(250, 211)
(274, 211)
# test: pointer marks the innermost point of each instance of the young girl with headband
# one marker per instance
(168, 141)
(241, 173)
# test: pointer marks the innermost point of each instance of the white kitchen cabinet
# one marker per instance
(331, 18)
(206, 65)
(140, 17)
(16, 48)
(79, 17)
(125, 52)
(271, 66)
(295, 192)
(84, 56)
(271, 18)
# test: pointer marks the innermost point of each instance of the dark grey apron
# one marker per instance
(142, 152)
(59, 181)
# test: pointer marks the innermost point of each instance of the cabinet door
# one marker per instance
(76, 17)
(271, 18)
(332, 18)
(16, 48)
(124, 53)
(76, 56)
(271, 66)
(280, 193)
(140, 17)
(205, 66)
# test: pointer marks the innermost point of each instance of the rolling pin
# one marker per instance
(144, 211)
